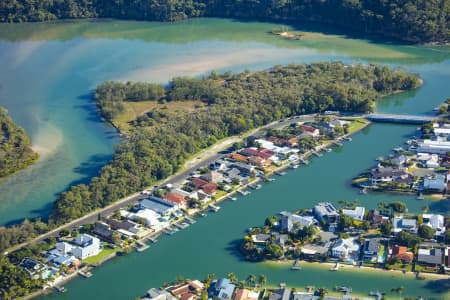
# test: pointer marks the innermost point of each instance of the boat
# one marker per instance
(327, 149)
(293, 166)
(85, 274)
(59, 289)
(347, 138)
(233, 198)
(213, 208)
(335, 268)
(420, 196)
(363, 191)
(258, 186)
(296, 265)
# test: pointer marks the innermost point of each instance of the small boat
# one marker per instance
(201, 214)
(420, 196)
(293, 166)
(328, 149)
(233, 198)
(363, 191)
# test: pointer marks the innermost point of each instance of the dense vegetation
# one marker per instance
(408, 20)
(15, 146)
(236, 103)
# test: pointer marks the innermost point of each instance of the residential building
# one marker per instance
(436, 182)
(430, 256)
(244, 294)
(176, 199)
(198, 183)
(86, 246)
(224, 289)
(434, 221)
(281, 294)
(402, 253)
(103, 230)
(152, 219)
(371, 249)
(326, 212)
(380, 175)
(346, 249)
(34, 268)
(290, 222)
(376, 219)
(158, 205)
(210, 188)
(157, 294)
(309, 130)
(439, 146)
(214, 177)
(261, 238)
(357, 213)
(399, 224)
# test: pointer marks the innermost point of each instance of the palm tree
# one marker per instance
(210, 277)
(322, 293)
(232, 277)
(250, 280)
(241, 284)
(262, 280)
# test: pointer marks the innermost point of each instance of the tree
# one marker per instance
(232, 277)
(447, 237)
(262, 280)
(273, 251)
(398, 207)
(250, 280)
(426, 232)
(271, 221)
(386, 228)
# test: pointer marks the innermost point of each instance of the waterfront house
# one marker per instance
(238, 157)
(176, 198)
(263, 153)
(214, 177)
(281, 294)
(357, 213)
(436, 222)
(399, 224)
(402, 253)
(244, 294)
(210, 188)
(443, 131)
(447, 256)
(261, 238)
(158, 205)
(291, 222)
(430, 256)
(34, 268)
(439, 146)
(346, 249)
(435, 182)
(428, 160)
(198, 183)
(86, 246)
(376, 219)
(308, 130)
(326, 212)
(224, 289)
(399, 160)
(371, 249)
(152, 220)
(380, 175)
(103, 230)
(157, 294)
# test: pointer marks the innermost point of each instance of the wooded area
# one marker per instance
(414, 21)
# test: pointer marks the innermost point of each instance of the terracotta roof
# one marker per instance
(209, 188)
(188, 296)
(307, 128)
(396, 250)
(180, 290)
(238, 157)
(174, 198)
(198, 182)
(406, 256)
(293, 141)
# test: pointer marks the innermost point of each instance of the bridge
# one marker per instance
(405, 119)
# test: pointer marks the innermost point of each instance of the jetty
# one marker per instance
(59, 289)
(182, 225)
(306, 162)
(296, 265)
(336, 267)
(141, 246)
(280, 173)
(336, 143)
(213, 207)
(153, 239)
(316, 153)
(190, 220)
(243, 192)
(85, 274)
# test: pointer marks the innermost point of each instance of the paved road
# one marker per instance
(133, 199)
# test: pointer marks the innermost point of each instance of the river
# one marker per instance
(49, 69)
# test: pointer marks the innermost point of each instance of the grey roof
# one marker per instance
(372, 245)
(435, 257)
(281, 294)
(157, 204)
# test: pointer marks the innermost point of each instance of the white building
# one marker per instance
(437, 182)
(399, 224)
(434, 221)
(438, 147)
(86, 246)
(152, 219)
(345, 248)
(357, 213)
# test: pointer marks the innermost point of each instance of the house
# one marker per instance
(290, 222)
(152, 220)
(238, 157)
(402, 253)
(447, 256)
(338, 123)
(198, 183)
(86, 246)
(376, 219)
(399, 160)
(326, 212)
(430, 256)
(399, 224)
(281, 294)
(127, 227)
(357, 213)
(210, 188)
(309, 130)
(443, 131)
(292, 142)
(214, 177)
(261, 238)
(371, 248)
(434, 221)
(436, 182)
(34, 268)
(380, 175)
(346, 249)
(176, 199)
(224, 289)
(280, 239)
(103, 230)
(439, 146)
(158, 205)
(157, 294)
(244, 294)
(261, 152)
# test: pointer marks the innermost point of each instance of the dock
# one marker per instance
(86, 274)
(213, 207)
(182, 225)
(168, 231)
(280, 173)
(59, 289)
(339, 144)
(304, 161)
(296, 265)
(190, 220)
(335, 268)
(141, 246)
(153, 239)
(243, 192)
(316, 153)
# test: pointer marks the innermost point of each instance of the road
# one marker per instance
(205, 160)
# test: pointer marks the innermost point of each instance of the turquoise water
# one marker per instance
(48, 71)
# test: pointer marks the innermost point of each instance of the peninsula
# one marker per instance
(15, 146)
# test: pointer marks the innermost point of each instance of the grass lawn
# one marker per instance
(101, 256)
(356, 125)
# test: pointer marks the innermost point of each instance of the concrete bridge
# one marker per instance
(405, 119)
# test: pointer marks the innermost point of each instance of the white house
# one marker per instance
(345, 248)
(289, 221)
(437, 182)
(86, 246)
(438, 147)
(158, 205)
(434, 221)
(152, 218)
(357, 213)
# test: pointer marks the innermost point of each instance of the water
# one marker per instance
(60, 63)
